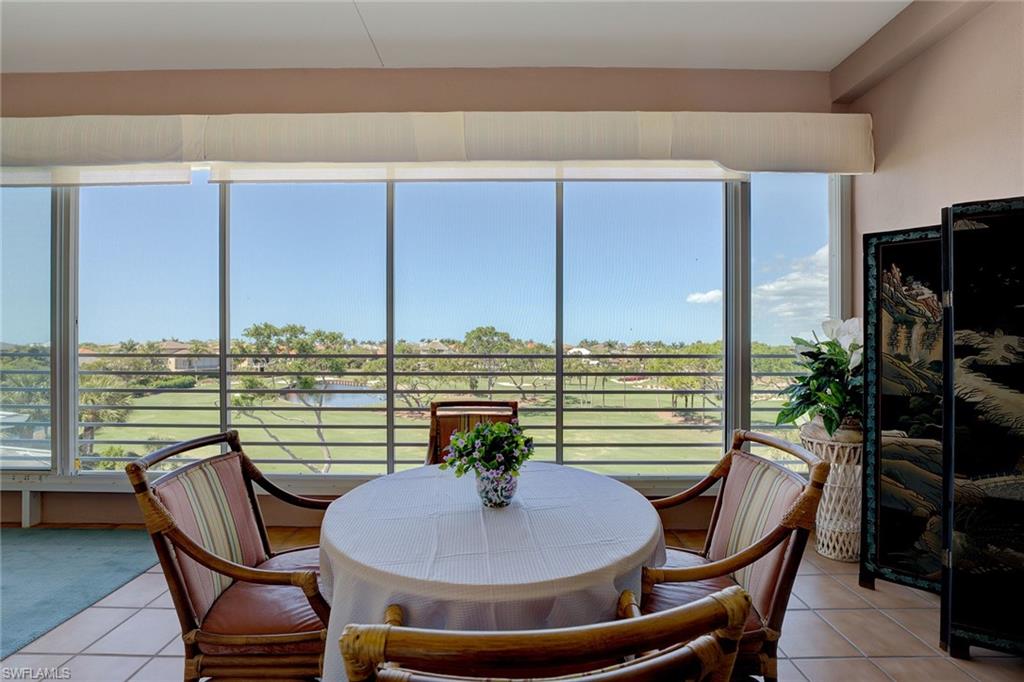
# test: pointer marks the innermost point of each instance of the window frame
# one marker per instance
(64, 475)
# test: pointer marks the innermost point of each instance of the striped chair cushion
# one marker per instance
(757, 494)
(210, 503)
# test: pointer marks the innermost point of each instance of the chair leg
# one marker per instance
(192, 670)
(770, 666)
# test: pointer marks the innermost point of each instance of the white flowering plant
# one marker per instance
(833, 387)
(498, 447)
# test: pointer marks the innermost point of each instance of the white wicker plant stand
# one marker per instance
(838, 524)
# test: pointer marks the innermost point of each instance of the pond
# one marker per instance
(356, 396)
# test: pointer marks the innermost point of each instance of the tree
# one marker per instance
(301, 359)
(97, 406)
(418, 382)
(488, 341)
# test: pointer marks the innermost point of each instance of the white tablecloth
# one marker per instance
(558, 556)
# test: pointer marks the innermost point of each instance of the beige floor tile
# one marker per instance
(796, 604)
(161, 670)
(175, 648)
(875, 634)
(136, 593)
(887, 595)
(104, 668)
(930, 597)
(840, 670)
(923, 623)
(807, 567)
(993, 669)
(147, 632)
(824, 592)
(789, 672)
(155, 569)
(934, 669)
(162, 602)
(78, 632)
(829, 566)
(34, 661)
(806, 635)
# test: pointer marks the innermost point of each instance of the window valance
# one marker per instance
(449, 141)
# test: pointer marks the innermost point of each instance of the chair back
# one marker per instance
(212, 501)
(699, 659)
(448, 416)
(758, 495)
(387, 652)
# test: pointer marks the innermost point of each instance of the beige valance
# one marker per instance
(742, 142)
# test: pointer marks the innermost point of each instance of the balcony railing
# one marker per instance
(618, 413)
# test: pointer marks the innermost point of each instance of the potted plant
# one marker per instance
(829, 400)
(494, 452)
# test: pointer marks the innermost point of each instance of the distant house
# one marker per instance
(582, 351)
(436, 347)
(186, 363)
(86, 356)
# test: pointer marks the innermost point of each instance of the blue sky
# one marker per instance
(642, 260)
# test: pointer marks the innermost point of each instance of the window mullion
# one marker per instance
(840, 299)
(64, 330)
(224, 305)
(559, 319)
(736, 331)
(390, 324)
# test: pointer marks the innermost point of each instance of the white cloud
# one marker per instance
(713, 296)
(793, 304)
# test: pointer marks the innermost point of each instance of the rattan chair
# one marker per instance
(245, 611)
(447, 416)
(697, 641)
(756, 539)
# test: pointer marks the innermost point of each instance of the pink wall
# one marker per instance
(344, 90)
(948, 126)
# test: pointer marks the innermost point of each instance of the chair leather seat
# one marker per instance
(666, 596)
(251, 609)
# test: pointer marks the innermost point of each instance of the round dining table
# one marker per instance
(559, 555)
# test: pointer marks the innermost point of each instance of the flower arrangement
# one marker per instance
(488, 446)
(833, 387)
(494, 452)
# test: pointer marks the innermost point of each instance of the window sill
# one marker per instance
(116, 482)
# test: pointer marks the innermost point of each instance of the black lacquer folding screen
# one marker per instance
(983, 595)
(903, 389)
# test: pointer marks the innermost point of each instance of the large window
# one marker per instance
(322, 319)
(308, 326)
(25, 374)
(147, 319)
(474, 303)
(789, 256)
(643, 326)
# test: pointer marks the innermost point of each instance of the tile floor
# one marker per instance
(834, 631)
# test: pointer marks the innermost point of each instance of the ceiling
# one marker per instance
(42, 36)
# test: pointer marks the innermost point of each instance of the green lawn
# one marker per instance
(365, 431)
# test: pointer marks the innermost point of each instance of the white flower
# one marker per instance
(856, 357)
(846, 332)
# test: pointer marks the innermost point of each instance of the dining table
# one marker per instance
(559, 555)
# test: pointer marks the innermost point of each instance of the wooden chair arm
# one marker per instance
(716, 569)
(717, 473)
(694, 491)
(280, 493)
(307, 581)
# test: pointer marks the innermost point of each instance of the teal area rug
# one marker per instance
(48, 575)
